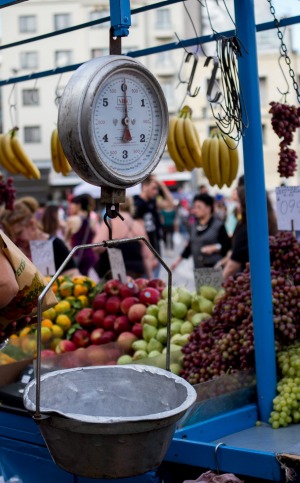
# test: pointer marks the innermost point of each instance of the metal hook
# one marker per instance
(192, 74)
(12, 105)
(284, 76)
(111, 212)
(212, 82)
(34, 96)
(216, 457)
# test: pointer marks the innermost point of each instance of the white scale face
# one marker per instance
(113, 121)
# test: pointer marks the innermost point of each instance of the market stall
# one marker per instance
(221, 433)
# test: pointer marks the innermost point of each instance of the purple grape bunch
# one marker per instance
(285, 120)
(225, 343)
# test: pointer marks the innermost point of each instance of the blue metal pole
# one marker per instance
(257, 219)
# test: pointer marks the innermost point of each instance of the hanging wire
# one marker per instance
(12, 107)
(283, 50)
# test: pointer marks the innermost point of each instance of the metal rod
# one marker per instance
(257, 218)
(108, 244)
(150, 51)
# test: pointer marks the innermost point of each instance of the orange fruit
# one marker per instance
(57, 331)
(62, 306)
(29, 345)
(47, 323)
(63, 321)
(49, 314)
(14, 340)
(79, 279)
(84, 300)
(25, 331)
(66, 289)
(80, 290)
(46, 334)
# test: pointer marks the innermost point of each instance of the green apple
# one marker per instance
(154, 345)
(148, 332)
(162, 335)
(187, 327)
(139, 345)
(208, 292)
(152, 310)
(125, 359)
(178, 310)
(175, 326)
(150, 320)
(140, 354)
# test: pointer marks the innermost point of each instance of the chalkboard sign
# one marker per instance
(288, 207)
(208, 276)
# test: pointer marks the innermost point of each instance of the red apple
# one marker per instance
(98, 317)
(108, 322)
(125, 341)
(157, 283)
(99, 301)
(149, 296)
(128, 289)
(81, 338)
(136, 312)
(96, 355)
(108, 336)
(141, 283)
(127, 303)
(47, 353)
(137, 330)
(113, 304)
(112, 287)
(65, 346)
(122, 324)
(84, 317)
(96, 335)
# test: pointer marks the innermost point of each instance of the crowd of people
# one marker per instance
(212, 230)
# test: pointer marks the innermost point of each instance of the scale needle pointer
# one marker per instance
(125, 121)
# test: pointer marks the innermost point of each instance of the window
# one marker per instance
(30, 97)
(263, 90)
(99, 52)
(32, 134)
(62, 21)
(29, 60)
(163, 18)
(27, 23)
(98, 14)
(63, 58)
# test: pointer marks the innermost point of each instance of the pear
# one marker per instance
(219, 295)
(178, 310)
(205, 305)
(190, 314)
(163, 315)
(152, 310)
(148, 332)
(125, 359)
(162, 335)
(175, 368)
(208, 292)
(154, 345)
(154, 354)
(175, 326)
(164, 293)
(187, 327)
(173, 348)
(184, 296)
(198, 318)
(195, 303)
(140, 354)
(139, 345)
(149, 319)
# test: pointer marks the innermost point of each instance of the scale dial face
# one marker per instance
(122, 124)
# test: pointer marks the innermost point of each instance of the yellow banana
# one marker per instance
(192, 141)
(205, 158)
(3, 161)
(182, 146)
(172, 147)
(224, 161)
(11, 157)
(234, 159)
(64, 163)
(54, 151)
(214, 162)
(22, 157)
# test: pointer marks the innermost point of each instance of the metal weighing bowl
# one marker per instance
(109, 421)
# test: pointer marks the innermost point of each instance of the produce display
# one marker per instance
(59, 160)
(220, 159)
(285, 120)
(14, 158)
(183, 141)
(224, 343)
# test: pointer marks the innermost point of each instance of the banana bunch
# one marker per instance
(59, 160)
(220, 159)
(13, 157)
(183, 141)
